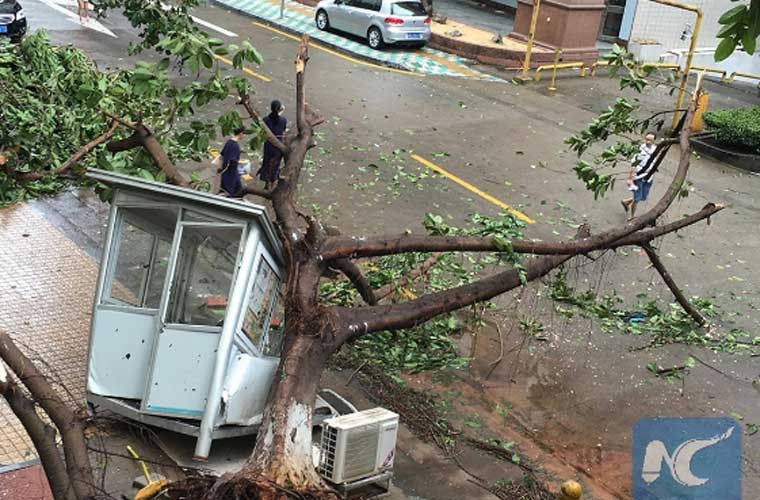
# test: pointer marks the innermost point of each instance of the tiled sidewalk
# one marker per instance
(300, 18)
(47, 289)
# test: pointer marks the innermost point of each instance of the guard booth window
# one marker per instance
(262, 325)
(143, 245)
(203, 276)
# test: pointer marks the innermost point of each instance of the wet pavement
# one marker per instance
(583, 387)
(47, 289)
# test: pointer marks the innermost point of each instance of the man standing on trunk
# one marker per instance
(639, 178)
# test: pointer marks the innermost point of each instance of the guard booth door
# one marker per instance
(205, 259)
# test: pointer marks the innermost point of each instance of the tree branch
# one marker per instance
(361, 321)
(143, 136)
(74, 159)
(42, 436)
(68, 423)
(245, 101)
(301, 60)
(388, 289)
(668, 279)
(120, 120)
(258, 192)
(354, 274)
(642, 237)
(402, 243)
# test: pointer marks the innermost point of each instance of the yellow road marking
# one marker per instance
(338, 54)
(472, 188)
(246, 70)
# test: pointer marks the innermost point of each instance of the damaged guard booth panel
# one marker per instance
(186, 326)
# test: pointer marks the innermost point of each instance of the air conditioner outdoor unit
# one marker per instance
(358, 445)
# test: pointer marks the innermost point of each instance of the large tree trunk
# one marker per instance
(282, 458)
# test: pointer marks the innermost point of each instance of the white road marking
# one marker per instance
(88, 22)
(206, 24)
(214, 27)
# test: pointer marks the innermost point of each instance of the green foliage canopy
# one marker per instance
(56, 99)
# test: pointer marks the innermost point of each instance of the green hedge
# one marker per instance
(736, 127)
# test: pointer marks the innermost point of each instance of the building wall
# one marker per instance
(665, 24)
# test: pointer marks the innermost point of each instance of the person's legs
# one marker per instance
(633, 209)
(626, 204)
(639, 195)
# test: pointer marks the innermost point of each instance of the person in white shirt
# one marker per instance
(637, 181)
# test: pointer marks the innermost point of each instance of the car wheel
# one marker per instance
(323, 22)
(375, 38)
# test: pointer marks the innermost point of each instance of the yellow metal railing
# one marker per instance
(581, 68)
(557, 53)
(660, 65)
(708, 69)
(531, 38)
(745, 75)
(690, 56)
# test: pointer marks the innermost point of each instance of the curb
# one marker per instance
(494, 56)
(744, 161)
(336, 48)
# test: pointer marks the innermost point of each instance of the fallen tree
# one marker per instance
(281, 463)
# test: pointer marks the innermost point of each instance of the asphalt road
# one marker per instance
(504, 141)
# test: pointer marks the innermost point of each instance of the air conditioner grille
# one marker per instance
(327, 460)
(361, 446)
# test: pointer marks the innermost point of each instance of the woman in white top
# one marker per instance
(637, 176)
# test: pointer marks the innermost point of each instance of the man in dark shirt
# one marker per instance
(231, 184)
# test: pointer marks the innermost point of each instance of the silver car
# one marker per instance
(381, 22)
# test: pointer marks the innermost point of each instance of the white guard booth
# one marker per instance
(186, 326)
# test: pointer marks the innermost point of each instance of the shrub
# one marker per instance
(736, 127)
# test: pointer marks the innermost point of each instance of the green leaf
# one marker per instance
(725, 48)
(733, 15)
(749, 42)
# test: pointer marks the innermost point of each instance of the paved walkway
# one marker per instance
(47, 288)
(472, 13)
(300, 18)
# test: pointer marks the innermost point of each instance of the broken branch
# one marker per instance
(668, 279)
(354, 274)
(42, 436)
(68, 423)
(245, 101)
(301, 60)
(75, 158)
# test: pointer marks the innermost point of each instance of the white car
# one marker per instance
(381, 22)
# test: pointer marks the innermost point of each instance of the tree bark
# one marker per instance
(282, 457)
(42, 436)
(75, 158)
(668, 279)
(68, 423)
(354, 274)
(143, 136)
